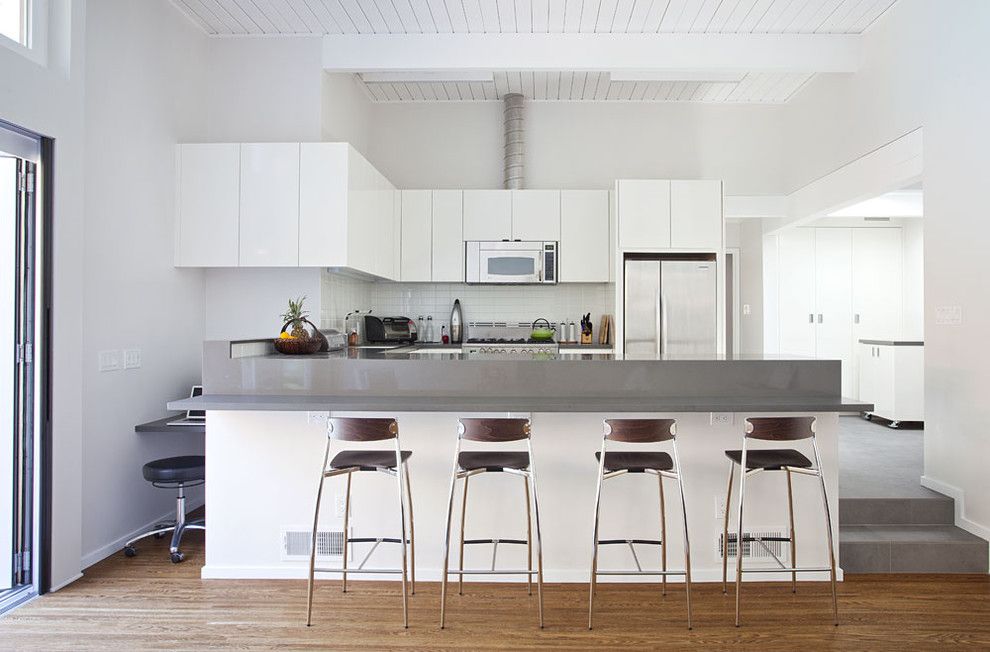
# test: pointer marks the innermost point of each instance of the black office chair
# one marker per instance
(173, 473)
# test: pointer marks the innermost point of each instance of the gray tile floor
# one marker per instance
(880, 462)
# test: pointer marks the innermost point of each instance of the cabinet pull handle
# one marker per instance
(811, 318)
(819, 318)
(856, 318)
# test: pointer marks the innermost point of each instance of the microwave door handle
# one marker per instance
(539, 270)
(659, 320)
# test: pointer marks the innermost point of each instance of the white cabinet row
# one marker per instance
(324, 205)
(891, 376)
(284, 205)
(436, 223)
(835, 286)
(656, 214)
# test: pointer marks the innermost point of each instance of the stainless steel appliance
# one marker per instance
(499, 340)
(510, 261)
(670, 306)
(389, 329)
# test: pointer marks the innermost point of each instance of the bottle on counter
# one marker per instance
(420, 329)
(456, 323)
(562, 331)
(572, 332)
(429, 328)
(444, 338)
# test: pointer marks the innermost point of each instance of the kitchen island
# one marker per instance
(266, 429)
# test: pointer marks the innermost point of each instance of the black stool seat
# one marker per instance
(636, 462)
(185, 468)
(367, 460)
(493, 461)
(773, 459)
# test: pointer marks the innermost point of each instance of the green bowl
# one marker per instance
(541, 334)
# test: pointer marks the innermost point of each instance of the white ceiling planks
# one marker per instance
(257, 17)
(754, 88)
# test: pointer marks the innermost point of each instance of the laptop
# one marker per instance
(193, 417)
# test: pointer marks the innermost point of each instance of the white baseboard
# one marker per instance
(561, 576)
(117, 545)
(66, 583)
(959, 496)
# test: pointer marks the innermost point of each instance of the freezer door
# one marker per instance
(642, 307)
(688, 307)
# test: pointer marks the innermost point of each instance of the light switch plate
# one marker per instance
(948, 315)
(132, 358)
(721, 419)
(109, 360)
(747, 309)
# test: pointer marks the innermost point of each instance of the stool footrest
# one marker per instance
(645, 542)
(752, 538)
(393, 571)
(470, 541)
(374, 540)
(492, 572)
(637, 572)
(788, 570)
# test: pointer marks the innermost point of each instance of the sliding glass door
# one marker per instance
(19, 280)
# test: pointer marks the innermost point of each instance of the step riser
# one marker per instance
(894, 557)
(896, 511)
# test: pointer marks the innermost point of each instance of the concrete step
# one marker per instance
(933, 510)
(911, 549)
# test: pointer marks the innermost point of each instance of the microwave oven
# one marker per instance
(510, 261)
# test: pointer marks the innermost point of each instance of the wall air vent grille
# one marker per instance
(296, 544)
(753, 549)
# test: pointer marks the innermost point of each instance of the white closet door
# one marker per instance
(876, 282)
(796, 291)
(833, 300)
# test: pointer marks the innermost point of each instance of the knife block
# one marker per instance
(586, 338)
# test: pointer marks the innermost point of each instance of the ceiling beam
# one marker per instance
(630, 53)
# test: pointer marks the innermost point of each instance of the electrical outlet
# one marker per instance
(132, 358)
(721, 419)
(317, 417)
(339, 505)
(109, 360)
(746, 309)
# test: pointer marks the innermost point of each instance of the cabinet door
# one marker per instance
(796, 291)
(644, 214)
(536, 215)
(487, 214)
(323, 198)
(696, 214)
(207, 205)
(883, 395)
(448, 238)
(584, 236)
(866, 370)
(876, 282)
(417, 235)
(833, 300)
(269, 225)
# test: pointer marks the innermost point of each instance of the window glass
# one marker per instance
(12, 20)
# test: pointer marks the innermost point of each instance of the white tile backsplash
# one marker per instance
(512, 303)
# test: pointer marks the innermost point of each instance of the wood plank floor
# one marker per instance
(148, 603)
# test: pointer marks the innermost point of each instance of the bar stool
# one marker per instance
(471, 463)
(348, 462)
(616, 463)
(790, 462)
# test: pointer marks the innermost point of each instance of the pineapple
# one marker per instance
(296, 316)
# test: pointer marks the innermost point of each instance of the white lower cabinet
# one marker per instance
(892, 377)
(269, 205)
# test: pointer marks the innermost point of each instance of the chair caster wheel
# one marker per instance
(177, 557)
(159, 535)
(129, 551)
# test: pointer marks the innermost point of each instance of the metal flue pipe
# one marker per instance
(515, 141)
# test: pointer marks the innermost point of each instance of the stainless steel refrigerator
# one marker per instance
(670, 307)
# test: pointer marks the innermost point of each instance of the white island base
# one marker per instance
(263, 468)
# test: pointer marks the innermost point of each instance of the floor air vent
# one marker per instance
(754, 549)
(296, 544)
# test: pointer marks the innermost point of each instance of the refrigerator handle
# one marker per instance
(658, 325)
(663, 324)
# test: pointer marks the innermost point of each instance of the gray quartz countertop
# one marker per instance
(548, 403)
(893, 342)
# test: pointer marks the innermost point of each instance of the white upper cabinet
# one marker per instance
(696, 214)
(207, 205)
(487, 215)
(584, 236)
(269, 212)
(644, 214)
(417, 235)
(536, 215)
(323, 202)
(448, 236)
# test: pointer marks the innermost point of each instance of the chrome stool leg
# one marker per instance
(725, 529)
(446, 539)
(790, 522)
(399, 472)
(312, 548)
(460, 566)
(594, 542)
(828, 531)
(687, 540)
(663, 537)
(539, 540)
(412, 533)
(739, 531)
(529, 541)
(347, 534)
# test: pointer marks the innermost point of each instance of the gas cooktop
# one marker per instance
(511, 341)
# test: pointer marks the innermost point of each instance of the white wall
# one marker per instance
(49, 101)
(245, 303)
(144, 89)
(346, 111)
(926, 64)
(751, 286)
(581, 145)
